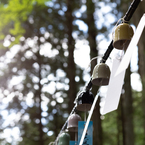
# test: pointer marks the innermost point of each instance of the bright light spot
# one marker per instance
(26, 117)
(44, 114)
(77, 79)
(50, 117)
(35, 79)
(30, 42)
(50, 133)
(42, 39)
(78, 14)
(66, 87)
(82, 25)
(35, 65)
(83, 8)
(45, 129)
(102, 47)
(13, 50)
(59, 100)
(47, 51)
(4, 113)
(64, 45)
(15, 132)
(103, 90)
(16, 80)
(58, 97)
(45, 102)
(37, 121)
(110, 19)
(104, 15)
(6, 43)
(60, 73)
(102, 117)
(6, 92)
(82, 54)
(44, 106)
(66, 53)
(134, 60)
(29, 99)
(59, 85)
(49, 3)
(105, 8)
(43, 81)
(44, 121)
(7, 134)
(54, 111)
(66, 80)
(86, 77)
(8, 98)
(53, 103)
(51, 87)
(10, 119)
(46, 35)
(22, 38)
(28, 54)
(135, 82)
(65, 115)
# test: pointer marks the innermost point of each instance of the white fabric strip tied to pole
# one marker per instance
(114, 89)
(118, 72)
(127, 57)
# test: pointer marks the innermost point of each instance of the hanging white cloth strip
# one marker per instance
(114, 89)
(88, 119)
(118, 72)
(127, 57)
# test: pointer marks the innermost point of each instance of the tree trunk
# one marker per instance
(71, 70)
(119, 124)
(127, 112)
(141, 55)
(92, 33)
(71, 64)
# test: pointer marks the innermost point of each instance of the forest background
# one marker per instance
(45, 49)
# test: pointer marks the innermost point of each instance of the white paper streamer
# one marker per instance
(118, 72)
(114, 89)
(127, 57)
